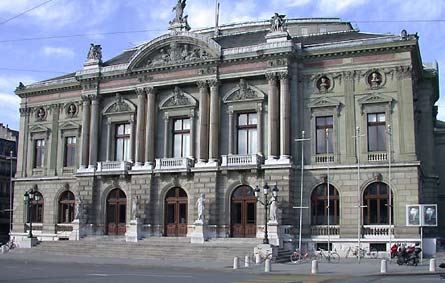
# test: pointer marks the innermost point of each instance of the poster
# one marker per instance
(413, 215)
(429, 215)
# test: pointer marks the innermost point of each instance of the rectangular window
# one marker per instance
(247, 133)
(181, 137)
(324, 142)
(122, 142)
(39, 153)
(376, 132)
(70, 152)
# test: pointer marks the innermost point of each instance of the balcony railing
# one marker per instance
(252, 160)
(322, 230)
(324, 158)
(167, 164)
(377, 156)
(113, 166)
(377, 231)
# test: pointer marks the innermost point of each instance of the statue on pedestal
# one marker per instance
(179, 9)
(135, 207)
(78, 212)
(273, 210)
(200, 203)
(277, 23)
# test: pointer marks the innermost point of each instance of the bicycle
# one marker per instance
(363, 253)
(299, 257)
(331, 256)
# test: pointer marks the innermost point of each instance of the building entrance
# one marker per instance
(116, 212)
(176, 213)
(243, 213)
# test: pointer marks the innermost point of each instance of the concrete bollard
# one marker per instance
(383, 266)
(314, 267)
(235, 262)
(3, 249)
(267, 265)
(433, 265)
(247, 261)
(257, 258)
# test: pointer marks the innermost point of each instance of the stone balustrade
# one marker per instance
(377, 156)
(113, 166)
(377, 231)
(252, 160)
(323, 230)
(324, 158)
(167, 164)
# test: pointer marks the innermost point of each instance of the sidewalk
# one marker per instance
(348, 267)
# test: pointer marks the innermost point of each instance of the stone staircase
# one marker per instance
(220, 249)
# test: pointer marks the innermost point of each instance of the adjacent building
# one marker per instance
(8, 159)
(220, 111)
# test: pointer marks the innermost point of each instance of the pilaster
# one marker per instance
(214, 122)
(86, 116)
(203, 121)
(273, 116)
(94, 130)
(140, 128)
(150, 126)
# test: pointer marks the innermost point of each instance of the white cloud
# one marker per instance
(335, 6)
(9, 83)
(289, 3)
(9, 110)
(58, 51)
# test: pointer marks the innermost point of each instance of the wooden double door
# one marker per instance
(116, 213)
(243, 213)
(176, 213)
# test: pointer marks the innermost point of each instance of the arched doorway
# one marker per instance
(116, 213)
(243, 213)
(176, 213)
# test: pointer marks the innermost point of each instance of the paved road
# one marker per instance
(393, 279)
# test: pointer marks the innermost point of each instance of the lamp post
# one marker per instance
(10, 190)
(266, 203)
(30, 197)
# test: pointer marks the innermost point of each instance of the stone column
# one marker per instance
(273, 116)
(140, 128)
(214, 122)
(260, 129)
(132, 139)
(150, 128)
(203, 121)
(166, 118)
(192, 134)
(230, 131)
(94, 130)
(284, 116)
(109, 141)
(86, 116)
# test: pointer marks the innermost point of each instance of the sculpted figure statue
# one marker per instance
(200, 203)
(78, 213)
(179, 9)
(273, 211)
(95, 52)
(277, 22)
(135, 207)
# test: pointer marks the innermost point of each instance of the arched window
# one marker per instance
(37, 208)
(66, 207)
(375, 198)
(319, 200)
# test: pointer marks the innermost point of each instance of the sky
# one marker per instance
(42, 39)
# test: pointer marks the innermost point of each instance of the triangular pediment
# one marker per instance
(69, 126)
(324, 102)
(178, 99)
(119, 106)
(173, 49)
(38, 129)
(243, 92)
(375, 98)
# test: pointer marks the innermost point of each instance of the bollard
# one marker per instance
(3, 249)
(383, 266)
(257, 258)
(267, 265)
(314, 268)
(247, 261)
(235, 263)
(432, 265)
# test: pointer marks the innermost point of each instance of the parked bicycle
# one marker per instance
(300, 257)
(329, 256)
(354, 252)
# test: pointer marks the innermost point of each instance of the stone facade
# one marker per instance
(203, 83)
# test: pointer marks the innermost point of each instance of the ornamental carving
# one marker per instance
(177, 99)
(277, 23)
(176, 53)
(95, 52)
(324, 84)
(244, 92)
(120, 105)
(71, 110)
(375, 80)
(41, 114)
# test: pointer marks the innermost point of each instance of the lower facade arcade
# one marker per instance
(166, 205)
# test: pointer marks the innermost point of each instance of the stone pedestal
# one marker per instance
(28, 242)
(265, 251)
(277, 36)
(134, 231)
(199, 235)
(78, 230)
(274, 233)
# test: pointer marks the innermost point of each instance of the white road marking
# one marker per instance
(140, 275)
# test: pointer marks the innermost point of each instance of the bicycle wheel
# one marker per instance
(319, 257)
(294, 258)
(373, 253)
(335, 258)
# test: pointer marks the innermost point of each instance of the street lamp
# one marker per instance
(266, 202)
(30, 197)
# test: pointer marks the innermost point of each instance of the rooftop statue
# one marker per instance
(95, 52)
(277, 23)
(179, 8)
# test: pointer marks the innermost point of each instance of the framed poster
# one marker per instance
(413, 215)
(429, 215)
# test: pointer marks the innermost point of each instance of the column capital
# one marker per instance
(201, 84)
(145, 90)
(95, 98)
(213, 83)
(140, 91)
(283, 75)
(271, 76)
(85, 98)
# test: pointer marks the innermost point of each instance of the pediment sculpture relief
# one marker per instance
(118, 106)
(177, 53)
(245, 92)
(177, 99)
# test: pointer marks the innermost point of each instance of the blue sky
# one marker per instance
(73, 24)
